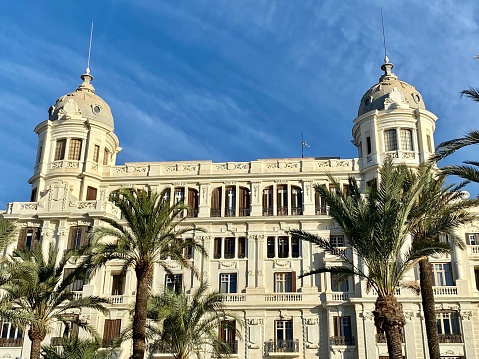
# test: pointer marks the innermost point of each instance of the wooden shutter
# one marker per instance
(72, 238)
(241, 247)
(193, 200)
(346, 190)
(112, 328)
(337, 325)
(85, 240)
(216, 199)
(217, 248)
(22, 239)
(91, 193)
(244, 198)
(293, 281)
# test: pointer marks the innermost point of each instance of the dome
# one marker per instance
(390, 93)
(82, 102)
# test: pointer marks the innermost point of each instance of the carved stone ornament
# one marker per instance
(466, 314)
(395, 99)
(255, 237)
(409, 315)
(282, 264)
(311, 321)
(232, 264)
(255, 321)
(251, 273)
(367, 315)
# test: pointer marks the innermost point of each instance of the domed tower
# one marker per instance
(76, 145)
(392, 121)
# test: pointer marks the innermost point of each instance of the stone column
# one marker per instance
(468, 333)
(204, 205)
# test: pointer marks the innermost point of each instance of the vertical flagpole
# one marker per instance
(302, 146)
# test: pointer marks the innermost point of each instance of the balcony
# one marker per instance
(296, 211)
(284, 297)
(77, 295)
(11, 342)
(117, 299)
(230, 212)
(267, 211)
(282, 210)
(338, 297)
(192, 213)
(236, 297)
(473, 250)
(341, 340)
(446, 290)
(244, 212)
(282, 346)
(321, 210)
(450, 338)
(215, 212)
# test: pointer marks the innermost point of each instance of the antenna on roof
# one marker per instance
(386, 59)
(89, 49)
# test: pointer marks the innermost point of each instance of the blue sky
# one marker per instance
(231, 80)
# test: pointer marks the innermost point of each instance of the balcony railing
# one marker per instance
(321, 210)
(282, 346)
(283, 297)
(340, 297)
(282, 210)
(108, 342)
(11, 342)
(77, 295)
(473, 250)
(191, 213)
(230, 212)
(296, 211)
(215, 212)
(267, 211)
(341, 340)
(235, 297)
(445, 290)
(117, 299)
(244, 212)
(450, 338)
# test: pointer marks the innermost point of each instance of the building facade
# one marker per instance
(246, 209)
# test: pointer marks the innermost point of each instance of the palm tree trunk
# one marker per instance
(427, 294)
(36, 336)
(389, 317)
(143, 274)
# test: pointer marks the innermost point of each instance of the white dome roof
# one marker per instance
(84, 102)
(390, 90)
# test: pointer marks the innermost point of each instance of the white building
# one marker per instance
(246, 209)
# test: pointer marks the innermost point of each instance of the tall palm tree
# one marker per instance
(376, 226)
(39, 289)
(148, 233)
(439, 210)
(186, 325)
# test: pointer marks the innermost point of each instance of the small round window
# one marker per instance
(96, 109)
(367, 102)
(416, 97)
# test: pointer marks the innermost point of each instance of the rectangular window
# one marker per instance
(368, 145)
(282, 199)
(284, 332)
(285, 282)
(429, 143)
(295, 247)
(447, 323)
(78, 237)
(174, 282)
(342, 330)
(10, 331)
(472, 238)
(241, 247)
(268, 201)
(77, 285)
(230, 247)
(270, 247)
(406, 140)
(217, 248)
(117, 284)
(33, 196)
(339, 284)
(283, 247)
(106, 157)
(337, 241)
(39, 154)
(360, 149)
(228, 282)
(442, 274)
(111, 332)
(28, 238)
(188, 252)
(227, 334)
(91, 193)
(390, 140)
(320, 204)
(60, 150)
(96, 153)
(346, 190)
(74, 151)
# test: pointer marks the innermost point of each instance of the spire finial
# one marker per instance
(387, 66)
(386, 59)
(89, 50)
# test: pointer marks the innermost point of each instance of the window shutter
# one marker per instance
(336, 324)
(71, 238)
(22, 239)
(91, 193)
(293, 281)
(85, 241)
(217, 248)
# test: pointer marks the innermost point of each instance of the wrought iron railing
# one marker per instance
(296, 211)
(215, 212)
(233, 344)
(321, 210)
(267, 211)
(450, 338)
(282, 346)
(230, 212)
(244, 212)
(11, 342)
(342, 340)
(282, 210)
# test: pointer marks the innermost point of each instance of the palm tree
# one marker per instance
(376, 226)
(147, 236)
(439, 210)
(76, 349)
(39, 288)
(186, 325)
